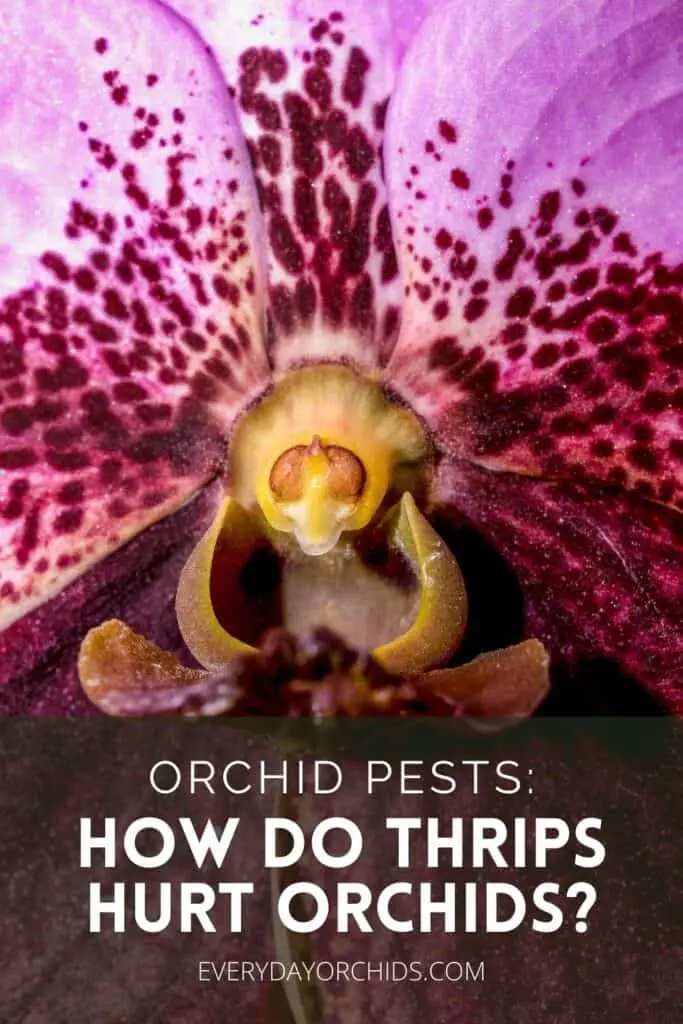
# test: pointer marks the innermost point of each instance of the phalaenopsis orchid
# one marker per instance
(328, 313)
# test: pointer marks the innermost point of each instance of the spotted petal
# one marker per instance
(130, 316)
(311, 82)
(535, 154)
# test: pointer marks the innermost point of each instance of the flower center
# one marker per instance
(323, 453)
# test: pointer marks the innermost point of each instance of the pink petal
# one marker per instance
(535, 159)
(130, 323)
(311, 81)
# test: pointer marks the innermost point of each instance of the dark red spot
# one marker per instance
(226, 289)
(568, 425)
(353, 87)
(85, 280)
(655, 401)
(320, 30)
(475, 309)
(623, 243)
(304, 135)
(643, 458)
(100, 260)
(447, 131)
(633, 370)
(676, 449)
(17, 458)
(383, 234)
(442, 353)
(305, 300)
(547, 355)
(274, 65)
(54, 262)
(124, 272)
(549, 206)
(71, 493)
(601, 329)
(67, 461)
(485, 217)
(16, 420)
(576, 372)
(128, 391)
(520, 303)
(318, 87)
(557, 291)
(282, 308)
(459, 178)
(360, 155)
(29, 537)
(380, 114)
(443, 239)
(357, 243)
(306, 208)
(362, 312)
(605, 220)
(506, 265)
(69, 520)
(267, 113)
(585, 281)
(336, 130)
(284, 244)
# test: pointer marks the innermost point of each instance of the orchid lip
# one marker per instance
(401, 594)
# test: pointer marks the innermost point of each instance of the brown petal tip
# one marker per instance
(504, 684)
(114, 660)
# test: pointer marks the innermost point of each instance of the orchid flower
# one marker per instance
(302, 299)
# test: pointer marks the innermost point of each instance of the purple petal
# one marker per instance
(311, 82)
(535, 154)
(600, 577)
(130, 322)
